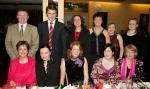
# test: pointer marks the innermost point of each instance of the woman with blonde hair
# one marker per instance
(129, 65)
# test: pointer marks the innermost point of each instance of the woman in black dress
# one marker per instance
(132, 36)
(97, 40)
(76, 66)
(47, 68)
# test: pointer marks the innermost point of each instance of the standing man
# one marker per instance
(53, 32)
(21, 31)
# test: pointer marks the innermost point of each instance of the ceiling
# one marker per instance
(40, 1)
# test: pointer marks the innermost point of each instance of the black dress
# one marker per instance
(138, 41)
(96, 49)
(49, 78)
(74, 72)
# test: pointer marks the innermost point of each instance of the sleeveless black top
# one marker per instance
(97, 44)
(74, 72)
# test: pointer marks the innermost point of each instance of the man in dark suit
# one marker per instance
(53, 32)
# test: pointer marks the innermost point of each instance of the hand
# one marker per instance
(113, 86)
(12, 83)
(141, 63)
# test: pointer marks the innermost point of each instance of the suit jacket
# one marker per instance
(13, 37)
(58, 38)
(83, 39)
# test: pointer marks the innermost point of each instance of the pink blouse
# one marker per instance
(100, 74)
(22, 74)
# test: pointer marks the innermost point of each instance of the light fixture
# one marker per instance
(55, 0)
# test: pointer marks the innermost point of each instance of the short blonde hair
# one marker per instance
(132, 48)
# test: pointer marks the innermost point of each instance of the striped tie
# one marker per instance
(50, 34)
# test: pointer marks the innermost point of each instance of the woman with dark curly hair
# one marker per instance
(78, 32)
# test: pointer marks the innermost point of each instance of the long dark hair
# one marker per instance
(83, 26)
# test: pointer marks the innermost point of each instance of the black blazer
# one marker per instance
(58, 38)
(83, 39)
(52, 77)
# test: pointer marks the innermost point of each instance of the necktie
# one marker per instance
(50, 34)
(21, 32)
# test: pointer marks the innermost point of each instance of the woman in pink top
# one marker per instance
(22, 68)
(130, 66)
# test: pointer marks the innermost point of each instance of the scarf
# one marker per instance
(124, 69)
(77, 61)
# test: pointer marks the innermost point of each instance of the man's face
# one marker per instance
(51, 14)
(22, 17)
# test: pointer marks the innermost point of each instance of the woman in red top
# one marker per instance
(78, 32)
(22, 68)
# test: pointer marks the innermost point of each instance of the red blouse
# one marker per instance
(22, 74)
(76, 36)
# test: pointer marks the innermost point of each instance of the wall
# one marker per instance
(118, 12)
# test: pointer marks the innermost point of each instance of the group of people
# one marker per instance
(53, 54)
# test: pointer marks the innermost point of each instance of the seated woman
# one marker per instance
(130, 66)
(47, 68)
(76, 66)
(22, 68)
(106, 69)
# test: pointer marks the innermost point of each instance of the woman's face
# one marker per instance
(132, 25)
(108, 53)
(98, 21)
(111, 29)
(23, 51)
(77, 21)
(75, 52)
(130, 54)
(45, 54)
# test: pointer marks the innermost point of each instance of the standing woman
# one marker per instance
(78, 32)
(116, 41)
(98, 38)
(47, 68)
(132, 36)
(22, 68)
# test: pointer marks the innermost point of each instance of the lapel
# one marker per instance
(81, 34)
(16, 28)
(27, 30)
(46, 30)
(55, 29)
(16, 32)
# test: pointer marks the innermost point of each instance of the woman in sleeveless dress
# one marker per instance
(116, 41)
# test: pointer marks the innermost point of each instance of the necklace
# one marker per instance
(131, 32)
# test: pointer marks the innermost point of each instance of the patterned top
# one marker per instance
(100, 74)
(139, 74)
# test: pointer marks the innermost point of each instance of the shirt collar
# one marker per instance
(52, 22)
(24, 26)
